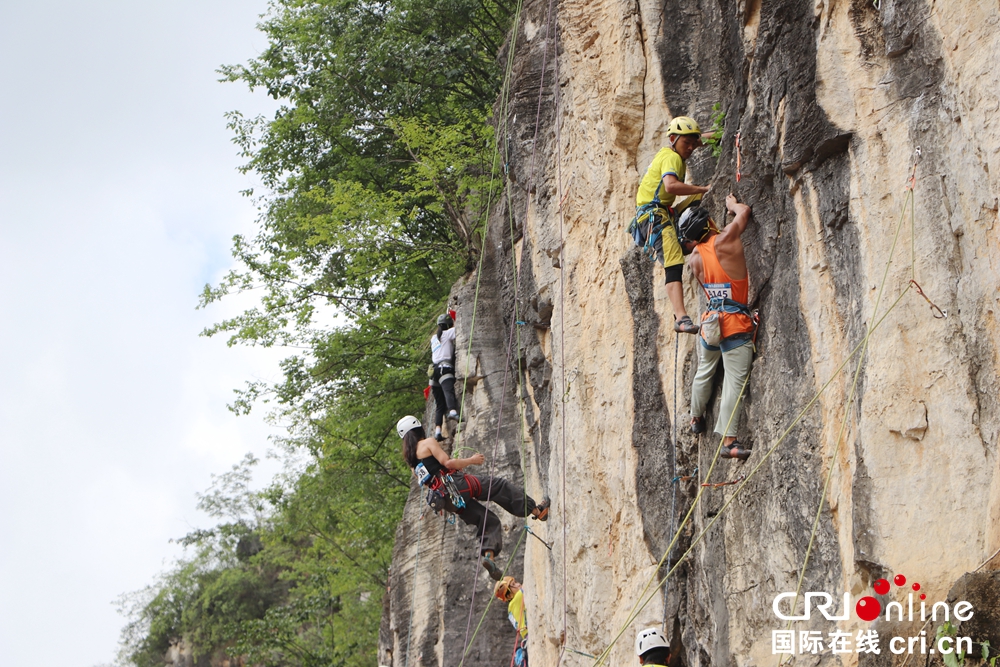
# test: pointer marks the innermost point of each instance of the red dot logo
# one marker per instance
(899, 580)
(881, 586)
(916, 587)
(868, 608)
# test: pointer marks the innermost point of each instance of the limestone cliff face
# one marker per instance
(835, 102)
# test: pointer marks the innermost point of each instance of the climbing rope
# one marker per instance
(641, 604)
(515, 320)
(517, 640)
(562, 326)
(504, 104)
(413, 601)
(468, 645)
(505, 97)
(472, 328)
(673, 471)
(908, 201)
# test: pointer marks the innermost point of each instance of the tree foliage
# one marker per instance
(377, 172)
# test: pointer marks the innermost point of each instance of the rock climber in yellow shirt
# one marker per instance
(509, 591)
(663, 182)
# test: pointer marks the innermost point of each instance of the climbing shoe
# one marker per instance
(697, 424)
(543, 509)
(438, 435)
(491, 567)
(453, 415)
(685, 325)
(735, 451)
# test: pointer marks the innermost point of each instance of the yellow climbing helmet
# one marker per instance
(684, 125)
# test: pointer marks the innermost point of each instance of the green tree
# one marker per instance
(377, 172)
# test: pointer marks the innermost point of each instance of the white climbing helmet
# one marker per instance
(407, 424)
(649, 638)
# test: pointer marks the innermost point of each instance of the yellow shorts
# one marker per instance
(672, 253)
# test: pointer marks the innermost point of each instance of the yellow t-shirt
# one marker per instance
(515, 612)
(667, 161)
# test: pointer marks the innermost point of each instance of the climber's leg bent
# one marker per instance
(737, 363)
(701, 389)
(488, 527)
(507, 495)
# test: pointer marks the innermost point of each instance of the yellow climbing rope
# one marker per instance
(644, 599)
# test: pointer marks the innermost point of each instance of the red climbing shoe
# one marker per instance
(735, 450)
(491, 567)
(697, 424)
(685, 325)
(543, 509)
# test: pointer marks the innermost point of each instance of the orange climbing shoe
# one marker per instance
(735, 450)
(685, 325)
(543, 509)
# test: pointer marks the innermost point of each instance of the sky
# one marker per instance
(119, 196)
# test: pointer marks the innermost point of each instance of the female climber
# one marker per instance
(443, 376)
(459, 493)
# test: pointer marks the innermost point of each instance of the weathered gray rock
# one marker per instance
(832, 100)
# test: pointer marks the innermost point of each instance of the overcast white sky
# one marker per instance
(118, 198)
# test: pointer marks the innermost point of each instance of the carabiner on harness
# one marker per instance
(453, 492)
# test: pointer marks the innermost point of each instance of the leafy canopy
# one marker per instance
(377, 172)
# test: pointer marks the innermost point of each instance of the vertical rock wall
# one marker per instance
(832, 99)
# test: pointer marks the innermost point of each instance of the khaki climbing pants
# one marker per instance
(736, 363)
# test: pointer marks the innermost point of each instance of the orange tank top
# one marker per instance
(718, 285)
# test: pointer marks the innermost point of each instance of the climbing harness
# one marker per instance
(441, 488)
(517, 655)
(711, 322)
(505, 99)
(862, 345)
(646, 228)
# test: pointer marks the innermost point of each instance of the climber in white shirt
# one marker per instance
(442, 379)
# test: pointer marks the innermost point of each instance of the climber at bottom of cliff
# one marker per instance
(509, 591)
(652, 648)
(727, 325)
(453, 491)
